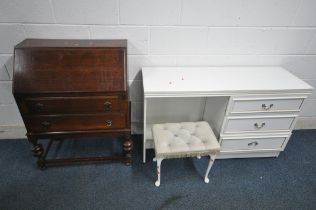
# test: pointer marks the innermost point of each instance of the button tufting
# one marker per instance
(182, 139)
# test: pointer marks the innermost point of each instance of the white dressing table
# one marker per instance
(252, 110)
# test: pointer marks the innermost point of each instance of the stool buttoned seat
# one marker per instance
(185, 139)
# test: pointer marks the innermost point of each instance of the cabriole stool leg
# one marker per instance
(157, 183)
(210, 163)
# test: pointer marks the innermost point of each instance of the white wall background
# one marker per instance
(168, 33)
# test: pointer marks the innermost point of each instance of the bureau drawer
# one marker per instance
(73, 105)
(252, 143)
(266, 105)
(258, 124)
(75, 123)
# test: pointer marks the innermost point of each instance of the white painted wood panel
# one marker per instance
(312, 82)
(247, 154)
(219, 80)
(214, 112)
(161, 110)
(266, 105)
(258, 124)
(252, 144)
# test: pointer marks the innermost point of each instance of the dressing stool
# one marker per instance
(185, 139)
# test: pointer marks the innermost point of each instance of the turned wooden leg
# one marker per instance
(41, 163)
(128, 148)
(37, 149)
(38, 152)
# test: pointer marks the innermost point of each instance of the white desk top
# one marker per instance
(205, 81)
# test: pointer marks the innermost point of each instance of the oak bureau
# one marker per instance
(252, 110)
(70, 89)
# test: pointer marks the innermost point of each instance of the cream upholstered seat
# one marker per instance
(186, 139)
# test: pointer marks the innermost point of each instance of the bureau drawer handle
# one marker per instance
(39, 106)
(255, 143)
(108, 123)
(45, 124)
(107, 106)
(265, 107)
(259, 126)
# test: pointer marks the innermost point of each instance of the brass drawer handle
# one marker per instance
(265, 107)
(107, 106)
(39, 106)
(255, 143)
(45, 124)
(108, 123)
(259, 126)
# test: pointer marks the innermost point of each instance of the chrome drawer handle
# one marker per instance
(259, 126)
(39, 106)
(107, 106)
(45, 124)
(255, 143)
(265, 107)
(108, 123)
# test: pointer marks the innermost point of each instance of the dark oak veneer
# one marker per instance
(72, 88)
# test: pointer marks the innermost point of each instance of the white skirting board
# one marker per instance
(305, 123)
(19, 131)
(12, 132)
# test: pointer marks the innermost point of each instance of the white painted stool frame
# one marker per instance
(206, 179)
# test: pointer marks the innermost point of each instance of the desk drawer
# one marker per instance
(75, 123)
(73, 105)
(260, 124)
(252, 143)
(266, 105)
